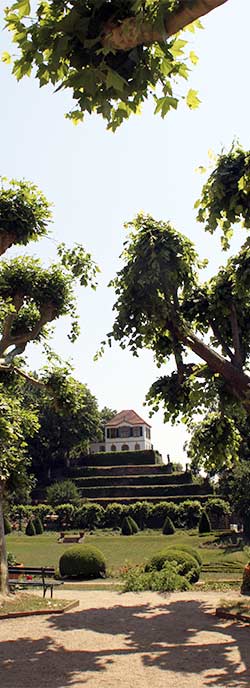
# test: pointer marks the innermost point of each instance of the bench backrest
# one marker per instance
(32, 571)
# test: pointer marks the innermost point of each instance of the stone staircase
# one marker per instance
(131, 483)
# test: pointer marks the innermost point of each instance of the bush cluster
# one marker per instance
(168, 570)
(90, 515)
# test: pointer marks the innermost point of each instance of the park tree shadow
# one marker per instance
(173, 636)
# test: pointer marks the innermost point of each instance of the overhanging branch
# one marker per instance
(130, 33)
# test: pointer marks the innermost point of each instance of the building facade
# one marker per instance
(125, 432)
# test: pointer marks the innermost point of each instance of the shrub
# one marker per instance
(167, 579)
(65, 513)
(188, 566)
(126, 527)
(160, 511)
(7, 525)
(134, 526)
(42, 510)
(11, 559)
(204, 523)
(30, 528)
(190, 513)
(217, 510)
(82, 561)
(90, 516)
(168, 527)
(139, 512)
(113, 516)
(189, 550)
(38, 525)
(62, 493)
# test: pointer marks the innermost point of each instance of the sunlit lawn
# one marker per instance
(45, 550)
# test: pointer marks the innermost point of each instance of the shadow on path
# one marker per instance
(179, 636)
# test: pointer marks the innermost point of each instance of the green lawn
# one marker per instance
(44, 550)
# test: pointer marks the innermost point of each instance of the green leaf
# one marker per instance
(115, 81)
(192, 99)
(193, 57)
(6, 57)
(23, 8)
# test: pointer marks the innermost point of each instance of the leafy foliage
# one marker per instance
(167, 579)
(214, 443)
(67, 44)
(225, 196)
(188, 565)
(62, 492)
(24, 212)
(235, 486)
(30, 528)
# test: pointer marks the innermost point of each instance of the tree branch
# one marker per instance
(47, 313)
(130, 33)
(8, 322)
(221, 341)
(236, 337)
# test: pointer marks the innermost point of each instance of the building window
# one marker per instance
(125, 447)
(137, 446)
(102, 448)
(113, 432)
(113, 447)
(148, 433)
(137, 431)
(124, 432)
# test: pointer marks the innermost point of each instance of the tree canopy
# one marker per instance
(163, 305)
(111, 54)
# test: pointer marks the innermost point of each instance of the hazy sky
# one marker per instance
(97, 180)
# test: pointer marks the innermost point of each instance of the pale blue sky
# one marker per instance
(98, 180)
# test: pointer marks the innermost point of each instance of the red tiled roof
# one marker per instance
(129, 417)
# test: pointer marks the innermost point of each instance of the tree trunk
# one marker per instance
(237, 380)
(4, 588)
(130, 33)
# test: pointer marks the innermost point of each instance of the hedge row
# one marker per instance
(91, 515)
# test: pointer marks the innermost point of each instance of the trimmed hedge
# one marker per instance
(126, 528)
(123, 458)
(30, 528)
(204, 523)
(188, 565)
(82, 561)
(38, 526)
(168, 527)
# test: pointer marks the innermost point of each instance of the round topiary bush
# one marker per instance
(187, 565)
(7, 525)
(126, 527)
(30, 528)
(38, 526)
(168, 527)
(189, 550)
(204, 523)
(82, 561)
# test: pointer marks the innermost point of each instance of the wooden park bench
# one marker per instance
(71, 538)
(34, 577)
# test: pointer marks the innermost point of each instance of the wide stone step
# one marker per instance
(119, 480)
(151, 469)
(144, 491)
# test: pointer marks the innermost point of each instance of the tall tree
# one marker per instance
(68, 418)
(30, 298)
(112, 54)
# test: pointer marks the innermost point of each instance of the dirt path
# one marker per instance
(127, 641)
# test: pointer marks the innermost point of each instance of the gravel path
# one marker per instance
(141, 640)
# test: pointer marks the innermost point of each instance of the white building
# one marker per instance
(125, 432)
